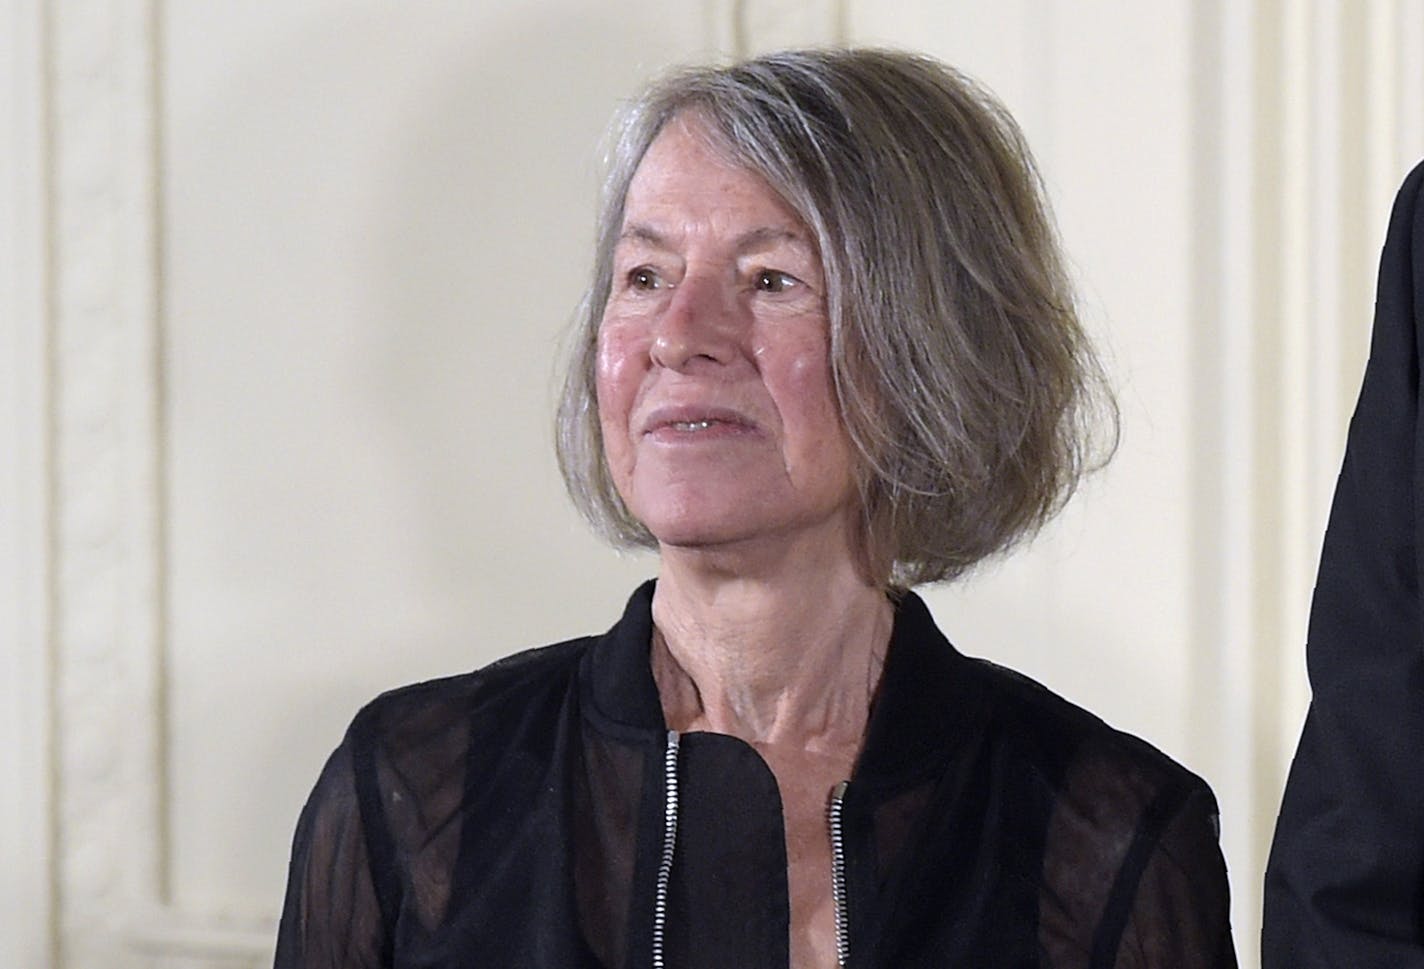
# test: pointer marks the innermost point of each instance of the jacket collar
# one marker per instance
(929, 693)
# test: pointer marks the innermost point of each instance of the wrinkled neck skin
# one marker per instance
(780, 646)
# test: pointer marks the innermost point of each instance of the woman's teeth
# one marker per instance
(692, 425)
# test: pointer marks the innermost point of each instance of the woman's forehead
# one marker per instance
(688, 172)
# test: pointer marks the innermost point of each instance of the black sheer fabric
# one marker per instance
(513, 817)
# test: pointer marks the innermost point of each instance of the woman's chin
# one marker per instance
(693, 535)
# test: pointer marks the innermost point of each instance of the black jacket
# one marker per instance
(1345, 883)
(515, 817)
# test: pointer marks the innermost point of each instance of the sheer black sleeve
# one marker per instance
(1133, 872)
(1179, 913)
(332, 918)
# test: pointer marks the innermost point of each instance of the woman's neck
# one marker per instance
(788, 656)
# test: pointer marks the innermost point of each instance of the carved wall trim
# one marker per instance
(107, 539)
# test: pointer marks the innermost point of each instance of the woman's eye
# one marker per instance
(643, 278)
(774, 281)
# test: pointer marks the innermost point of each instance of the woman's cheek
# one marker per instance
(618, 375)
(616, 366)
(807, 370)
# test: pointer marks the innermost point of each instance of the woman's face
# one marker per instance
(714, 387)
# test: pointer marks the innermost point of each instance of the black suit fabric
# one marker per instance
(1345, 882)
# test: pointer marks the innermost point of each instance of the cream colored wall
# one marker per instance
(282, 289)
(25, 749)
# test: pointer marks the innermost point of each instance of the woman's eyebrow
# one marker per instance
(641, 232)
(766, 236)
(757, 238)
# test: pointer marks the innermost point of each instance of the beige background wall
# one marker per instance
(282, 286)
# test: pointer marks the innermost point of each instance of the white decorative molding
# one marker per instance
(1225, 446)
(108, 608)
(110, 714)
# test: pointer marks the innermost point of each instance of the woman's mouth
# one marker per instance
(673, 424)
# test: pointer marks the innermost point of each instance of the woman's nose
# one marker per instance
(696, 327)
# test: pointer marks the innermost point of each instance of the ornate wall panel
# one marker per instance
(107, 519)
(116, 904)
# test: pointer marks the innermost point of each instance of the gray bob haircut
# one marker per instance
(971, 395)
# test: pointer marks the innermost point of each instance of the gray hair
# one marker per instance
(969, 390)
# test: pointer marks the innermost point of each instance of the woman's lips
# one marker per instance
(687, 424)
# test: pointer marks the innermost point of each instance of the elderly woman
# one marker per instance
(829, 353)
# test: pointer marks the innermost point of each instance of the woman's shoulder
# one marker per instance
(1078, 754)
(1130, 837)
(1034, 738)
(420, 720)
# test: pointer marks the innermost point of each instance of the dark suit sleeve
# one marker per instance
(1345, 883)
